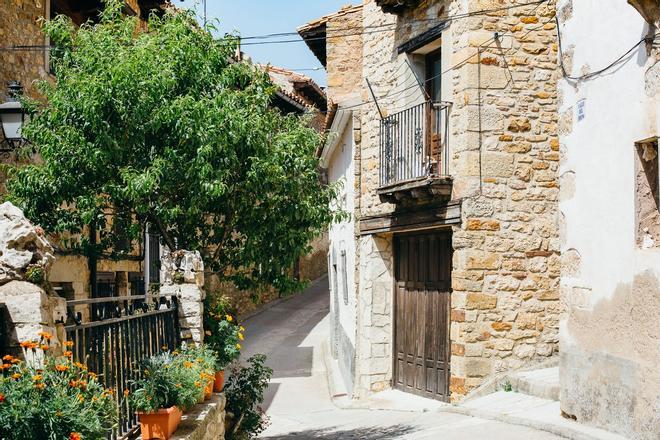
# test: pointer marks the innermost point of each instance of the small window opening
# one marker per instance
(647, 194)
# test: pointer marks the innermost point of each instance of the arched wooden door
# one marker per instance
(422, 310)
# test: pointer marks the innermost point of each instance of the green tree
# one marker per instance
(162, 126)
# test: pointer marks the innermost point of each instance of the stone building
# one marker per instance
(449, 111)
(610, 222)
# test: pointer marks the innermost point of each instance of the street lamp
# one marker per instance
(12, 116)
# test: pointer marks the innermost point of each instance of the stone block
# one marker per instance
(497, 164)
(480, 301)
(476, 367)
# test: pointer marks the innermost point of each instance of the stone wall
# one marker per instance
(19, 26)
(204, 422)
(505, 275)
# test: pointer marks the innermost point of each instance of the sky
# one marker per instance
(259, 17)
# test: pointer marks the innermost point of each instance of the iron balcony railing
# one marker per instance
(413, 144)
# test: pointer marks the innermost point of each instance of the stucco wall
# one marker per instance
(610, 286)
(343, 304)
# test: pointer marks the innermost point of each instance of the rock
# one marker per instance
(21, 245)
(190, 264)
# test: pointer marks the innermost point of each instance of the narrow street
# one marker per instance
(298, 401)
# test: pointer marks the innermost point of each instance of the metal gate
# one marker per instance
(112, 336)
(422, 309)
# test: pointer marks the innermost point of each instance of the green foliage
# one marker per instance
(223, 334)
(168, 379)
(53, 402)
(160, 127)
(178, 277)
(245, 391)
(35, 274)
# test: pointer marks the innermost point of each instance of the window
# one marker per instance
(434, 75)
(344, 275)
(647, 194)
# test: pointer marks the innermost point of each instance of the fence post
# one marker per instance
(182, 274)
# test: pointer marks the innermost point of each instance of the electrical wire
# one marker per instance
(604, 69)
(366, 30)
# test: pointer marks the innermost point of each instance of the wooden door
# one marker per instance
(422, 308)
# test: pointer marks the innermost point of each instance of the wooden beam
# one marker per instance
(412, 220)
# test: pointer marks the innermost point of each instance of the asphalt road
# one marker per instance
(298, 399)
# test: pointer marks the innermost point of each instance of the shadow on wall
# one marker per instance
(609, 360)
(372, 433)
(8, 338)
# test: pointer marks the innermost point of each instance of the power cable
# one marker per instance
(604, 69)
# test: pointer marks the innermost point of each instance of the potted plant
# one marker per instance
(223, 336)
(203, 360)
(58, 399)
(166, 389)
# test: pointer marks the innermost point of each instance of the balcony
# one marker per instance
(413, 154)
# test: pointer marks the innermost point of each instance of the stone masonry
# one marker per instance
(504, 154)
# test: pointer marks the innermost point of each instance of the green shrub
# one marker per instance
(245, 391)
(203, 360)
(168, 379)
(35, 274)
(58, 401)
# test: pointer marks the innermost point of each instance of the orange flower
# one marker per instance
(75, 436)
(198, 384)
(79, 365)
(92, 375)
(44, 347)
(68, 343)
(16, 376)
(80, 398)
(15, 361)
(26, 344)
(61, 368)
(39, 386)
(73, 383)
(5, 366)
(165, 347)
(188, 364)
(45, 335)
(7, 358)
(2, 397)
(126, 392)
(37, 378)
(67, 354)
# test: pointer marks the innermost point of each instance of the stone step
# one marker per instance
(543, 383)
(526, 410)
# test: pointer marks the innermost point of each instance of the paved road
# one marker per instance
(298, 399)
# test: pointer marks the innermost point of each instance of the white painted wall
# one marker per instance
(342, 235)
(606, 360)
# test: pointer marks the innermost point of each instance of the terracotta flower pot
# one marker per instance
(161, 424)
(219, 381)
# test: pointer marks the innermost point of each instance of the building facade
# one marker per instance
(609, 218)
(455, 162)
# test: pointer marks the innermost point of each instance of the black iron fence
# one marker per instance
(413, 143)
(112, 336)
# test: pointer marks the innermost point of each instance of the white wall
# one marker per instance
(609, 339)
(342, 235)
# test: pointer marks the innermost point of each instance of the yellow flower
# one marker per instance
(16, 376)
(36, 378)
(229, 318)
(238, 346)
(240, 336)
(241, 328)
